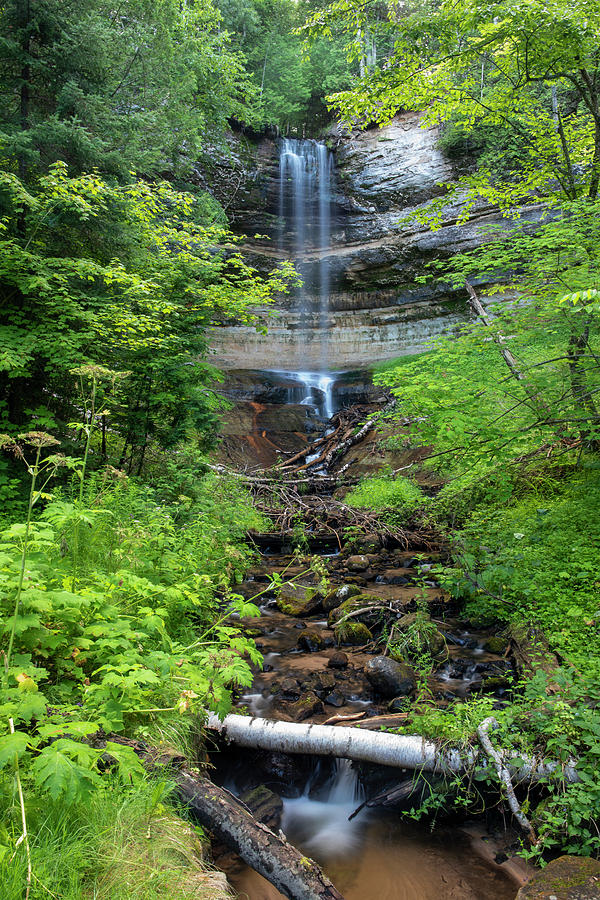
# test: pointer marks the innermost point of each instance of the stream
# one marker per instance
(378, 853)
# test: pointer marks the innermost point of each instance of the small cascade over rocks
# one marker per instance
(318, 392)
(305, 191)
(319, 820)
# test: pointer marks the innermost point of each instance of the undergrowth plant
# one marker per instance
(396, 497)
(144, 633)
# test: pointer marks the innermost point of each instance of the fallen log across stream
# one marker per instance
(293, 874)
(401, 751)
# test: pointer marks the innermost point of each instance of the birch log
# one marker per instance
(401, 751)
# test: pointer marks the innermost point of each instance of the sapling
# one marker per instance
(90, 378)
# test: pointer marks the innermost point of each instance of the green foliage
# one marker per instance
(140, 87)
(122, 843)
(541, 557)
(108, 617)
(291, 83)
(121, 276)
(524, 75)
(397, 497)
(419, 641)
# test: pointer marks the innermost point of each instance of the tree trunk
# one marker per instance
(293, 874)
(398, 751)
(538, 403)
(24, 23)
(580, 388)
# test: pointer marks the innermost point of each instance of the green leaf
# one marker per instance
(11, 746)
(66, 769)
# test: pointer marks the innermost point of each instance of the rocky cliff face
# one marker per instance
(376, 309)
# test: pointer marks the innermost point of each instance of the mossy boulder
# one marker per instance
(310, 640)
(565, 878)
(295, 600)
(389, 677)
(495, 644)
(352, 633)
(425, 632)
(308, 705)
(364, 602)
(338, 595)
(358, 562)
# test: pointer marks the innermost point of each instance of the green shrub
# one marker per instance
(397, 496)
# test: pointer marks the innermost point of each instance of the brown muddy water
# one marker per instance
(395, 862)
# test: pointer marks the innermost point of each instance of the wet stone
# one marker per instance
(289, 688)
(358, 562)
(319, 682)
(310, 641)
(390, 678)
(338, 660)
(335, 699)
(308, 705)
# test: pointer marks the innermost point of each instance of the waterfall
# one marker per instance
(319, 822)
(305, 181)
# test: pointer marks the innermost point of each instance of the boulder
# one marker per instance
(265, 805)
(434, 640)
(335, 699)
(358, 562)
(338, 595)
(389, 677)
(319, 682)
(353, 633)
(353, 605)
(295, 600)
(310, 640)
(338, 660)
(289, 688)
(394, 576)
(565, 878)
(308, 705)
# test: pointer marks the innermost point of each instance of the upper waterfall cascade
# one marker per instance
(305, 190)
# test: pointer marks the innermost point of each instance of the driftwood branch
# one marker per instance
(498, 759)
(340, 450)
